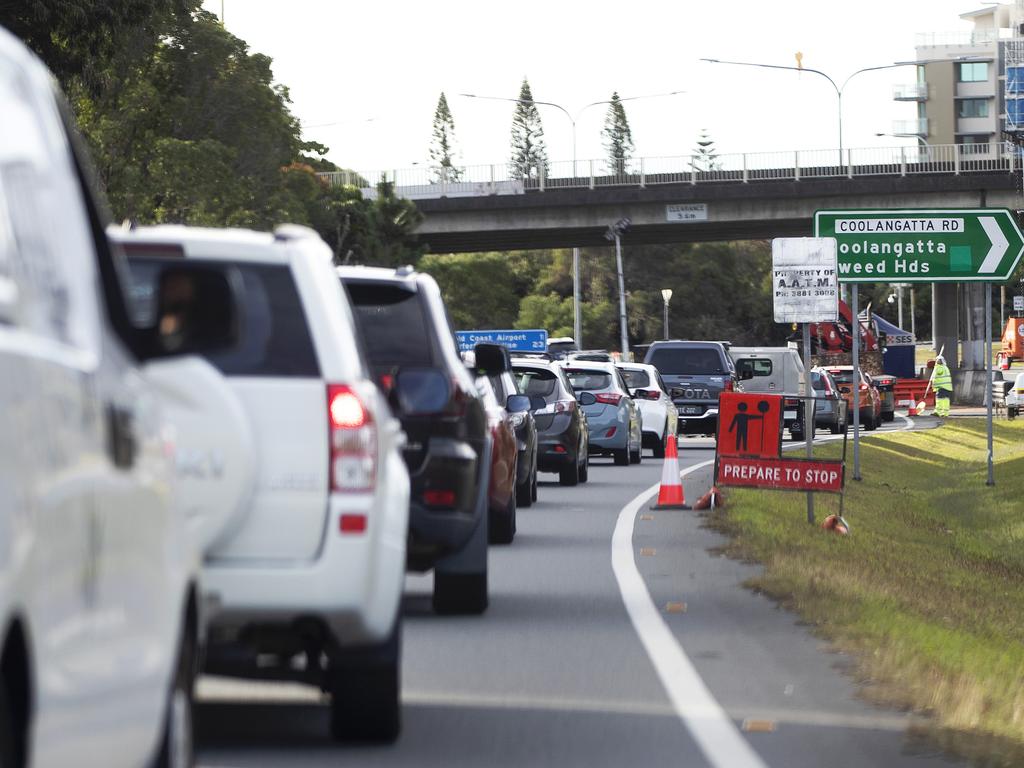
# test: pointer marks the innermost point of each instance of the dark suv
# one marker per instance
(404, 327)
(696, 372)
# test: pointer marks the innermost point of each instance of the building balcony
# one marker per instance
(974, 37)
(910, 92)
(917, 127)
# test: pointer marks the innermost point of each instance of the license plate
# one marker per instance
(789, 415)
(691, 410)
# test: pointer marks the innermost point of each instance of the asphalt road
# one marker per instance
(582, 662)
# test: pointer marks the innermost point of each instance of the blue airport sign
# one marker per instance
(516, 341)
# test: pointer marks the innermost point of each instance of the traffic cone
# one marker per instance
(670, 495)
(912, 409)
(836, 524)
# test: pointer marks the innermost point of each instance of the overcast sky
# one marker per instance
(365, 76)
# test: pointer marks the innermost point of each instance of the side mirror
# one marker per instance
(537, 403)
(518, 404)
(491, 359)
(421, 391)
(587, 398)
(196, 311)
(746, 375)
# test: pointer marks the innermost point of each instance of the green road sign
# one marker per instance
(923, 246)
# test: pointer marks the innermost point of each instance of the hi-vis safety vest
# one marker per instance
(942, 379)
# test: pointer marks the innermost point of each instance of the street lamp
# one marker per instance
(615, 232)
(666, 294)
(838, 88)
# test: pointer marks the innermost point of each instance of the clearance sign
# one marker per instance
(748, 452)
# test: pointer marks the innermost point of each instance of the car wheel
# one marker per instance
(460, 593)
(569, 475)
(658, 449)
(524, 492)
(888, 416)
(585, 470)
(176, 745)
(635, 457)
(836, 429)
(533, 485)
(7, 755)
(503, 525)
(365, 692)
(621, 457)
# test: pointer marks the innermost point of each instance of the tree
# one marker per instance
(477, 288)
(618, 138)
(442, 144)
(704, 156)
(529, 155)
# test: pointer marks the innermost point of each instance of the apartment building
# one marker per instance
(970, 91)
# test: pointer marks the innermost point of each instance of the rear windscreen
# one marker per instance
(695, 361)
(636, 379)
(392, 323)
(274, 337)
(842, 377)
(588, 380)
(537, 381)
(758, 366)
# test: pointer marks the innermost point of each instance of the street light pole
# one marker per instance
(666, 294)
(615, 233)
(838, 88)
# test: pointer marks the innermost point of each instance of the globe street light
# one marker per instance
(666, 294)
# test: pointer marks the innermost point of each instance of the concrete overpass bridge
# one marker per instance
(676, 199)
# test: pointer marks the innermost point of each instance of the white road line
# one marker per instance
(716, 735)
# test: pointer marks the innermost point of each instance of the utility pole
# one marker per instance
(577, 321)
(615, 233)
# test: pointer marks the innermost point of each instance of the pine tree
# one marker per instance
(618, 138)
(529, 154)
(704, 156)
(442, 144)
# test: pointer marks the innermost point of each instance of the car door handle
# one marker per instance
(121, 446)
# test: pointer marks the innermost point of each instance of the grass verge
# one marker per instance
(927, 593)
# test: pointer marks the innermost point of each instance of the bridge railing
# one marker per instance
(423, 182)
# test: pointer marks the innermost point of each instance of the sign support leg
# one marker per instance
(988, 367)
(808, 405)
(855, 309)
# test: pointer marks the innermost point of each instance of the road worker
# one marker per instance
(942, 383)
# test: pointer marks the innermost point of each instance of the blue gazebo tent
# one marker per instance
(898, 353)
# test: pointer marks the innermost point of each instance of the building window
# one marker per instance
(972, 108)
(922, 110)
(921, 79)
(972, 72)
(1015, 79)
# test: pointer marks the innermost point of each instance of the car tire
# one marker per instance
(7, 755)
(635, 457)
(177, 748)
(658, 449)
(460, 593)
(365, 691)
(836, 429)
(533, 485)
(585, 470)
(888, 416)
(524, 491)
(569, 475)
(503, 525)
(621, 457)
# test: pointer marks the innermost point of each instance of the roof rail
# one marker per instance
(405, 270)
(285, 232)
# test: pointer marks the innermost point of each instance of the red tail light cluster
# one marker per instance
(729, 386)
(353, 442)
(439, 497)
(608, 398)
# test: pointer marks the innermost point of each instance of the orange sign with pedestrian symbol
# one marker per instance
(749, 425)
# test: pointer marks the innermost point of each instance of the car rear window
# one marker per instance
(842, 377)
(818, 381)
(537, 381)
(393, 325)
(274, 334)
(694, 361)
(588, 380)
(758, 366)
(636, 379)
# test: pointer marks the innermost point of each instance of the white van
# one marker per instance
(774, 371)
(100, 622)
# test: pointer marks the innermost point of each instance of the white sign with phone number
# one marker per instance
(805, 282)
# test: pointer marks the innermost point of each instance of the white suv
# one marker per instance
(99, 611)
(305, 581)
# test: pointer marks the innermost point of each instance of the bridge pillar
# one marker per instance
(972, 383)
(945, 325)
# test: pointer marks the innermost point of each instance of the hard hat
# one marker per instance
(940, 359)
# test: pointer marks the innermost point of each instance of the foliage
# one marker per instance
(478, 288)
(186, 125)
(705, 158)
(618, 138)
(529, 155)
(442, 144)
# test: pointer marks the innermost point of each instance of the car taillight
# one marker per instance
(791, 402)
(608, 398)
(438, 497)
(863, 387)
(562, 406)
(353, 442)
(729, 386)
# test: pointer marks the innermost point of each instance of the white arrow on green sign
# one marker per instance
(923, 246)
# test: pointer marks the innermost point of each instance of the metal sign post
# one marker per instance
(808, 411)
(855, 310)
(988, 367)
